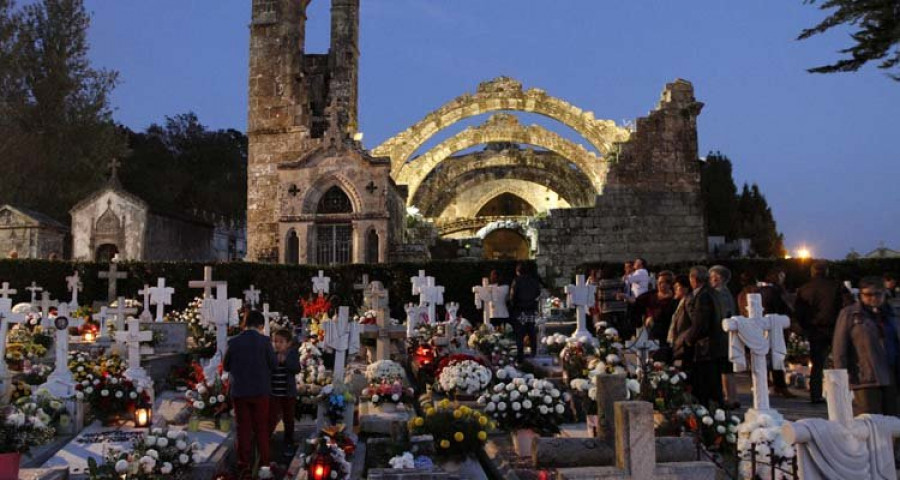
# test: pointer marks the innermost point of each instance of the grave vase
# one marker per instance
(522, 440)
(9, 465)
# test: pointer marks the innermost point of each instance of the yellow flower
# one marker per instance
(445, 443)
(465, 410)
(482, 435)
(458, 436)
(444, 403)
(482, 421)
(457, 414)
(419, 421)
(429, 412)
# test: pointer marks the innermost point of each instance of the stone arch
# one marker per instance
(515, 187)
(506, 200)
(317, 191)
(502, 93)
(502, 128)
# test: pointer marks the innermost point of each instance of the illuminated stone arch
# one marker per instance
(527, 191)
(502, 93)
(318, 190)
(502, 128)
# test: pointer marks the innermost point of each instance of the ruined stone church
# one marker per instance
(317, 196)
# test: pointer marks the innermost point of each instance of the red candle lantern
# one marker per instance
(320, 468)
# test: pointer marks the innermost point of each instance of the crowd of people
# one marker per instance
(855, 331)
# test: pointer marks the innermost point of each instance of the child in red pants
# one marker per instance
(284, 387)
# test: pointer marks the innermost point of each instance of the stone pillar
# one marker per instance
(610, 389)
(344, 64)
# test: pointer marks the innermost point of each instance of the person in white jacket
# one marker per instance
(499, 313)
(639, 280)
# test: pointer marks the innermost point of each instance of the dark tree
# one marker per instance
(183, 166)
(56, 128)
(719, 195)
(756, 222)
(876, 34)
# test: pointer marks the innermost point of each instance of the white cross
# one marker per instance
(251, 296)
(5, 292)
(865, 445)
(121, 313)
(46, 304)
(74, 286)
(61, 383)
(375, 296)
(132, 338)
(483, 297)
(113, 275)
(7, 316)
(34, 289)
(418, 282)
(451, 324)
(580, 295)
(642, 345)
(206, 284)
(760, 334)
(146, 292)
(101, 318)
(341, 335)
(380, 301)
(321, 284)
(216, 311)
(413, 314)
(268, 316)
(431, 295)
(161, 295)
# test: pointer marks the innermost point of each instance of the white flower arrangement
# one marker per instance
(385, 371)
(403, 462)
(312, 366)
(764, 436)
(160, 452)
(467, 377)
(524, 401)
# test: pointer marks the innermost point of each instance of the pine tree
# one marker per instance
(719, 195)
(877, 35)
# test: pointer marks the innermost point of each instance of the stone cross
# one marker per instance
(268, 316)
(380, 300)
(251, 296)
(74, 284)
(642, 345)
(375, 296)
(413, 314)
(145, 292)
(5, 291)
(101, 318)
(760, 334)
(431, 295)
(581, 295)
(217, 311)
(34, 289)
(363, 284)
(843, 447)
(321, 284)
(7, 316)
(341, 335)
(161, 295)
(419, 282)
(132, 338)
(46, 304)
(484, 296)
(113, 275)
(121, 313)
(61, 383)
(206, 284)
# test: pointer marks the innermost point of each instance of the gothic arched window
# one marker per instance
(334, 201)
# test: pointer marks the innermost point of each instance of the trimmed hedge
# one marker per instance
(282, 285)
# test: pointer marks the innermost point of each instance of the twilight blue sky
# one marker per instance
(823, 148)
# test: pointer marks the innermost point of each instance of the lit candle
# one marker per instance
(88, 336)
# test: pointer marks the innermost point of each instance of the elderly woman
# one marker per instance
(682, 355)
(719, 276)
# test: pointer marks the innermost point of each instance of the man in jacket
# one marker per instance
(250, 360)
(867, 344)
(524, 293)
(708, 339)
(817, 306)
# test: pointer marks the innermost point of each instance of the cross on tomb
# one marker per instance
(760, 334)
(132, 338)
(414, 313)
(293, 190)
(431, 295)
(342, 336)
(418, 282)
(251, 296)
(642, 345)
(61, 383)
(376, 296)
(5, 291)
(268, 316)
(101, 318)
(371, 187)
(483, 297)
(206, 284)
(216, 311)
(34, 289)
(450, 325)
(112, 276)
(581, 295)
(363, 284)
(74, 285)
(46, 305)
(146, 292)
(321, 284)
(379, 300)
(7, 316)
(843, 447)
(121, 313)
(161, 295)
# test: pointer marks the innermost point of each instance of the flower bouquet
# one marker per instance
(576, 357)
(369, 317)
(406, 461)
(335, 401)
(525, 402)
(50, 410)
(386, 391)
(715, 430)
(456, 430)
(462, 375)
(21, 429)
(385, 371)
(36, 373)
(485, 341)
(160, 453)
(326, 455)
(763, 436)
(312, 366)
(21, 347)
(209, 398)
(112, 398)
(555, 343)
(665, 387)
(797, 349)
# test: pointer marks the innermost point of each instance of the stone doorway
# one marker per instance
(505, 244)
(106, 252)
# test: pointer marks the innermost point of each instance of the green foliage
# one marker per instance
(55, 119)
(166, 162)
(733, 215)
(876, 35)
